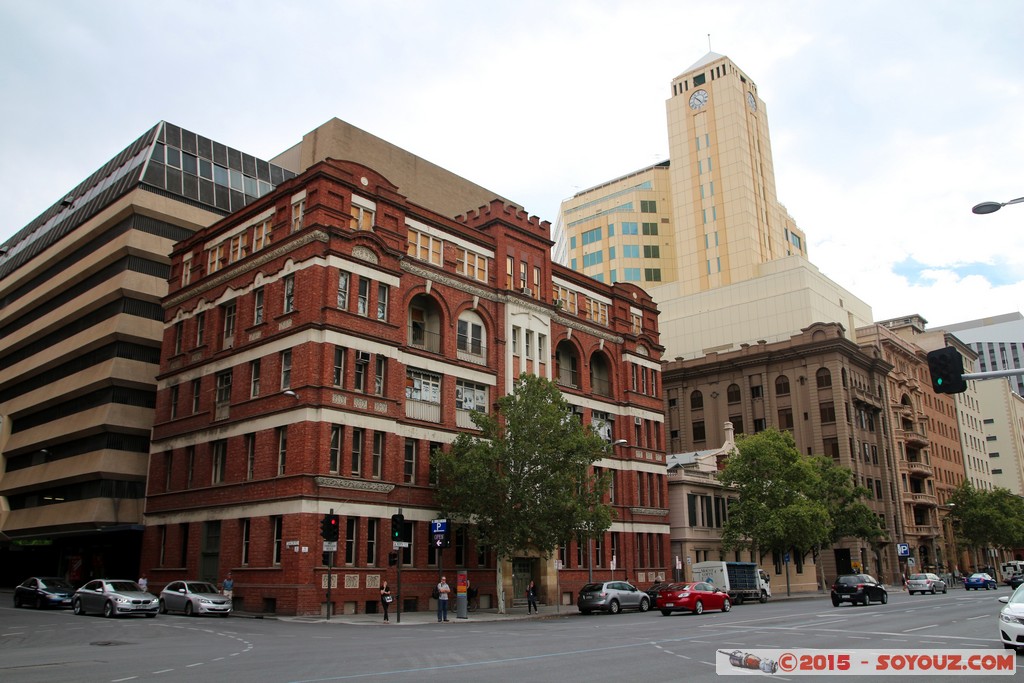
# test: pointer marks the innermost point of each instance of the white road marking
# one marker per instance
(920, 628)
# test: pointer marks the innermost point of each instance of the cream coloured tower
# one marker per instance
(728, 220)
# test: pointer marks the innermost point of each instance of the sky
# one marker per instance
(889, 119)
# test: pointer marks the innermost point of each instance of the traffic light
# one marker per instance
(946, 366)
(329, 527)
(392, 558)
(397, 524)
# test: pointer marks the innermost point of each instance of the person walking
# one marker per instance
(531, 598)
(143, 583)
(228, 587)
(385, 599)
(442, 600)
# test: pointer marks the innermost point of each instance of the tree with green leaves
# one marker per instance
(526, 481)
(983, 519)
(791, 501)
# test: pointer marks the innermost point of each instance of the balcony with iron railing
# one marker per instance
(567, 378)
(421, 338)
(472, 351)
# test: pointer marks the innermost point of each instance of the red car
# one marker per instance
(692, 597)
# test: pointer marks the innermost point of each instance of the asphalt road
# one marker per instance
(48, 646)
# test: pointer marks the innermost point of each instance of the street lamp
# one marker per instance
(992, 207)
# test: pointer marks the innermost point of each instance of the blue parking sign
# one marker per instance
(903, 549)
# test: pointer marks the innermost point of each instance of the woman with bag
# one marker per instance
(385, 598)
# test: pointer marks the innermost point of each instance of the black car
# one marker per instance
(653, 591)
(44, 591)
(856, 588)
(1015, 580)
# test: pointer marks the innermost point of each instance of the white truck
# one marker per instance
(741, 580)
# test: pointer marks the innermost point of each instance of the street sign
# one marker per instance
(903, 549)
(330, 546)
(438, 526)
(400, 544)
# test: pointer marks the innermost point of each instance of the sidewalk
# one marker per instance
(477, 616)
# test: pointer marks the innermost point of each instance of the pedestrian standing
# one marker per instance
(385, 599)
(143, 583)
(531, 598)
(442, 600)
(228, 587)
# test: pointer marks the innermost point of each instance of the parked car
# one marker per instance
(611, 597)
(653, 591)
(43, 591)
(925, 583)
(692, 597)
(114, 597)
(979, 580)
(1015, 580)
(855, 588)
(1011, 621)
(193, 597)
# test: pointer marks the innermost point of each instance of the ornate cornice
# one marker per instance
(245, 266)
(354, 484)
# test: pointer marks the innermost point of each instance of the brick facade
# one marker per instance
(320, 343)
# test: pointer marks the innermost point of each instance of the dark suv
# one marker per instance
(856, 588)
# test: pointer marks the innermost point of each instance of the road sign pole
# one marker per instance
(330, 567)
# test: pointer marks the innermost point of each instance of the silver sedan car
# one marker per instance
(193, 597)
(925, 583)
(114, 597)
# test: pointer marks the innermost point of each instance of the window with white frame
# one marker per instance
(565, 299)
(598, 311)
(363, 300)
(409, 465)
(289, 293)
(282, 449)
(470, 396)
(358, 436)
(470, 335)
(377, 469)
(471, 264)
(214, 258)
(362, 214)
(257, 308)
(382, 301)
(238, 248)
(186, 269)
(424, 386)
(254, 378)
(362, 369)
(230, 312)
(223, 388)
(250, 456)
(286, 369)
(334, 452)
(424, 247)
(339, 366)
(298, 214)
(261, 235)
(200, 328)
(343, 279)
(380, 374)
(220, 454)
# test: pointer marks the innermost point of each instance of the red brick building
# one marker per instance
(320, 343)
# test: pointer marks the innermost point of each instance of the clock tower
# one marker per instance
(727, 218)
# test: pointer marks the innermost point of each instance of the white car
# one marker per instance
(193, 597)
(925, 583)
(1011, 621)
(114, 597)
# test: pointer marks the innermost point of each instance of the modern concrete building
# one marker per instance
(998, 342)
(80, 331)
(830, 392)
(321, 343)
(1004, 433)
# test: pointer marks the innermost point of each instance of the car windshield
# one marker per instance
(681, 586)
(200, 587)
(918, 577)
(56, 585)
(1017, 597)
(979, 576)
(124, 586)
(848, 580)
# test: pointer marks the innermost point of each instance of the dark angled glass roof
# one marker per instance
(166, 159)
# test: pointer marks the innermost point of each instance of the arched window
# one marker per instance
(782, 386)
(696, 400)
(733, 393)
(824, 378)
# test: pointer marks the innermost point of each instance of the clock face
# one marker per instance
(751, 101)
(698, 99)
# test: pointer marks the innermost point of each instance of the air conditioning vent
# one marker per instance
(527, 291)
(637, 420)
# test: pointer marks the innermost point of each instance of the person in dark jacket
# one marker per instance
(531, 598)
(385, 598)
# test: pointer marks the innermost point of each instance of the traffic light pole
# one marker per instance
(330, 571)
(993, 373)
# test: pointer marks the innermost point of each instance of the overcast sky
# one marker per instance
(889, 119)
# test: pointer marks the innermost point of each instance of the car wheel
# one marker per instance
(76, 607)
(884, 599)
(666, 612)
(933, 590)
(163, 606)
(739, 599)
(188, 609)
(867, 600)
(698, 608)
(944, 589)
(645, 604)
(726, 606)
(108, 609)
(763, 599)
(835, 602)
